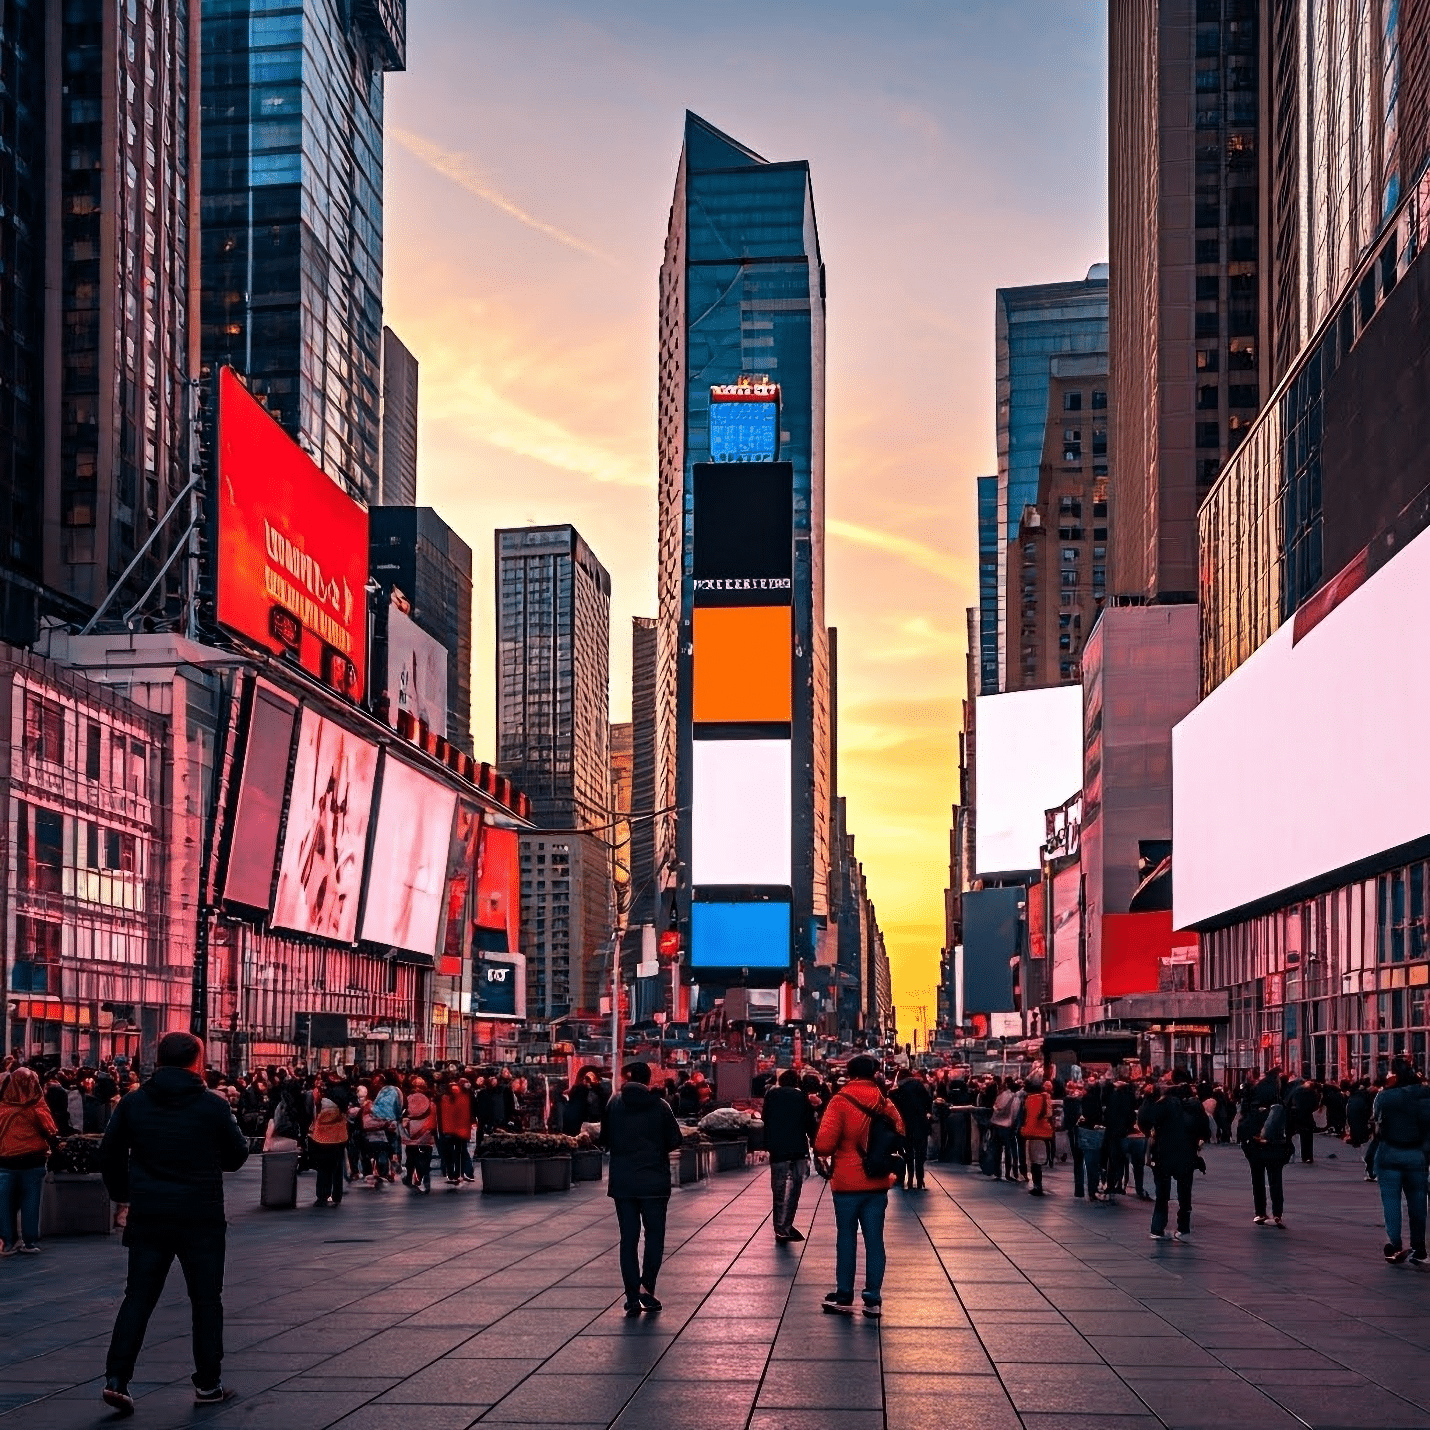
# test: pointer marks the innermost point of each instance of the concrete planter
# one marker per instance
(509, 1176)
(553, 1174)
(75, 1204)
(587, 1166)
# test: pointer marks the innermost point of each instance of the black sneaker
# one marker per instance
(116, 1395)
(633, 1307)
(839, 1303)
(217, 1396)
(873, 1308)
(1394, 1254)
(649, 1304)
(794, 1234)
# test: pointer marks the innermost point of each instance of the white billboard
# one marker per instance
(740, 812)
(416, 673)
(1303, 761)
(1028, 760)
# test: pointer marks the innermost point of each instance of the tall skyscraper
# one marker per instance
(292, 98)
(412, 548)
(988, 544)
(1034, 326)
(397, 472)
(742, 312)
(553, 698)
(1184, 307)
(645, 799)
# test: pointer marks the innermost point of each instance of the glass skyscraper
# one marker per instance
(1033, 326)
(292, 100)
(988, 542)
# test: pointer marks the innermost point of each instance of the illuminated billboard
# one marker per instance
(462, 855)
(1027, 760)
(745, 422)
(325, 843)
(291, 547)
(499, 987)
(258, 812)
(1301, 765)
(744, 534)
(498, 909)
(740, 812)
(743, 665)
(416, 673)
(1067, 934)
(407, 874)
(746, 935)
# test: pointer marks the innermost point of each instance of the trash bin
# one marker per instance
(280, 1180)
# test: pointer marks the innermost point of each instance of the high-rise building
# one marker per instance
(413, 549)
(742, 320)
(292, 99)
(1033, 326)
(397, 470)
(1185, 304)
(1057, 574)
(565, 920)
(553, 605)
(645, 800)
(988, 544)
(622, 781)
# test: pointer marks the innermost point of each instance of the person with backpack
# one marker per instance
(328, 1139)
(1402, 1125)
(419, 1137)
(1265, 1141)
(859, 1142)
(1036, 1131)
(1302, 1103)
(1178, 1128)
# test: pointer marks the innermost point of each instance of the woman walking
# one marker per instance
(1037, 1131)
(419, 1137)
(328, 1141)
(27, 1132)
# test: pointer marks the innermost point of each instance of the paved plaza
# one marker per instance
(1000, 1310)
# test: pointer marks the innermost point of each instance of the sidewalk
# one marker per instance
(1000, 1311)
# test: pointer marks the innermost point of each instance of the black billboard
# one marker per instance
(744, 533)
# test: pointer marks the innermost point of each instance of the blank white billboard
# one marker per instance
(1306, 759)
(740, 814)
(1028, 760)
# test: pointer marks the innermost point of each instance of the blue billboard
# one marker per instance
(744, 935)
(744, 431)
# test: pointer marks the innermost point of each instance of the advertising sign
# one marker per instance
(258, 815)
(1067, 934)
(744, 534)
(743, 665)
(291, 547)
(740, 812)
(325, 843)
(416, 673)
(499, 887)
(745, 422)
(499, 988)
(747, 935)
(408, 871)
(461, 887)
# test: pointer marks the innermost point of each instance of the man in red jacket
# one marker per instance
(860, 1201)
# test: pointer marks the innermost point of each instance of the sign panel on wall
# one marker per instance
(292, 547)
(258, 814)
(744, 534)
(416, 673)
(499, 987)
(754, 934)
(740, 827)
(745, 422)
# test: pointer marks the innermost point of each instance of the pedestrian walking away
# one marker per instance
(1036, 1131)
(164, 1154)
(915, 1103)
(790, 1123)
(1402, 1124)
(27, 1135)
(1177, 1130)
(328, 1141)
(640, 1132)
(1263, 1131)
(853, 1142)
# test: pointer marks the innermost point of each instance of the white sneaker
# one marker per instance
(1259, 1220)
(1181, 1236)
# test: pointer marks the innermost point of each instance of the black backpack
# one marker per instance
(1273, 1129)
(882, 1154)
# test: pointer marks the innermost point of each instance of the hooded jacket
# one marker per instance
(166, 1149)
(844, 1131)
(26, 1125)
(641, 1132)
(419, 1127)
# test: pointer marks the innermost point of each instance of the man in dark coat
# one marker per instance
(915, 1105)
(164, 1154)
(1302, 1102)
(790, 1126)
(1178, 1128)
(640, 1132)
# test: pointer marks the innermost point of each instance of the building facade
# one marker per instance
(566, 910)
(292, 103)
(1033, 326)
(1184, 196)
(988, 602)
(645, 799)
(553, 604)
(414, 550)
(397, 458)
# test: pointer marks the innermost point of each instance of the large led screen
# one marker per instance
(744, 533)
(743, 662)
(462, 856)
(744, 429)
(753, 935)
(407, 875)
(292, 547)
(1067, 934)
(325, 843)
(258, 813)
(992, 934)
(416, 673)
(1028, 760)
(740, 812)
(499, 987)
(1307, 759)
(499, 888)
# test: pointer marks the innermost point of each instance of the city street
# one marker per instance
(1000, 1311)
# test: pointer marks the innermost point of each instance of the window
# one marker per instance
(1064, 622)
(40, 840)
(1208, 398)
(138, 771)
(1207, 360)
(1072, 402)
(44, 729)
(1208, 434)
(1069, 578)
(1099, 442)
(1064, 642)
(1208, 249)
(1241, 396)
(92, 745)
(1099, 399)
(1208, 288)
(1070, 554)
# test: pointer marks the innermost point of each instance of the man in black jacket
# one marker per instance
(164, 1154)
(915, 1104)
(1177, 1128)
(790, 1124)
(640, 1132)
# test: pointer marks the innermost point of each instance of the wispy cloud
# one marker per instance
(460, 169)
(916, 553)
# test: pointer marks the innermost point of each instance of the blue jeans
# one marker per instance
(855, 1212)
(20, 1196)
(1402, 1169)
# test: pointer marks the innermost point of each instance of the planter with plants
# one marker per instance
(587, 1163)
(522, 1163)
(74, 1201)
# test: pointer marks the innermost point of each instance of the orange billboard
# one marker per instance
(742, 665)
(292, 547)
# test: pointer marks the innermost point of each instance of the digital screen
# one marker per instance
(258, 815)
(752, 935)
(292, 547)
(1067, 934)
(499, 888)
(1028, 760)
(325, 843)
(407, 876)
(743, 659)
(744, 431)
(416, 673)
(740, 812)
(992, 930)
(744, 534)
(461, 887)
(1292, 768)
(497, 988)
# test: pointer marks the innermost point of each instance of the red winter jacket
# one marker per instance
(845, 1129)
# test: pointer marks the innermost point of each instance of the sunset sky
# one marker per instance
(955, 148)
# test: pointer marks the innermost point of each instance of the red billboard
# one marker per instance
(499, 887)
(292, 547)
